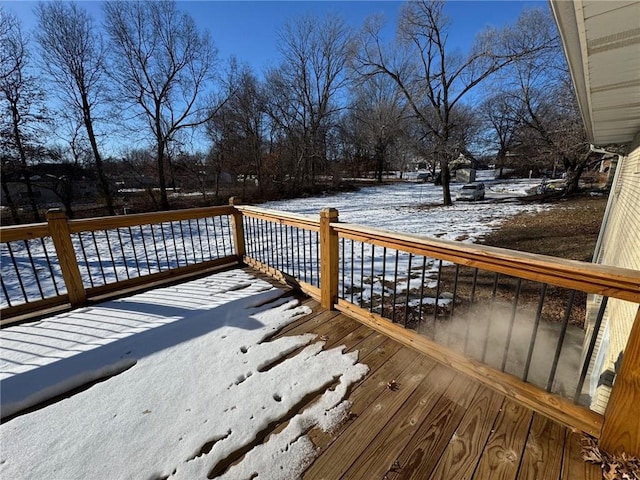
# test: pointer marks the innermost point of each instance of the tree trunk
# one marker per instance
(164, 200)
(7, 195)
(23, 163)
(104, 184)
(445, 178)
(573, 179)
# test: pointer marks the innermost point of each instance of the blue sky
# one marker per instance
(247, 29)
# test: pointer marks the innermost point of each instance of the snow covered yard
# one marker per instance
(196, 378)
(416, 207)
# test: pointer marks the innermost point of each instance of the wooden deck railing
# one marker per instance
(69, 262)
(437, 296)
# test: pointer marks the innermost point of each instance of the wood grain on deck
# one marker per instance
(414, 418)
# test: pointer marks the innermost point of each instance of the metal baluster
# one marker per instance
(146, 253)
(46, 256)
(124, 258)
(155, 246)
(534, 333)
(113, 261)
(224, 244)
(342, 242)
(435, 306)
(384, 277)
(406, 306)
(298, 250)
(193, 244)
(455, 292)
(493, 298)
(317, 263)
(424, 272)
(563, 331)
(206, 229)
(33, 268)
(6, 293)
(471, 300)
(175, 244)
(184, 244)
(135, 253)
(395, 289)
(592, 344)
(95, 244)
(86, 260)
(372, 277)
(361, 273)
(215, 236)
(353, 261)
(15, 267)
(514, 310)
(199, 238)
(286, 251)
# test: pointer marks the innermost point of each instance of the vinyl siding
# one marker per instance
(619, 246)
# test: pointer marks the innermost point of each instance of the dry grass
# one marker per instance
(569, 229)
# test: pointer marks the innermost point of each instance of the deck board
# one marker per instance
(543, 451)
(342, 452)
(437, 424)
(422, 453)
(503, 452)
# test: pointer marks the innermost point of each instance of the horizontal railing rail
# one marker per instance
(588, 277)
(71, 261)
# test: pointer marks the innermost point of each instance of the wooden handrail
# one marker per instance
(294, 220)
(31, 231)
(119, 221)
(614, 282)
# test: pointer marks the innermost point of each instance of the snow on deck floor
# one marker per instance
(197, 381)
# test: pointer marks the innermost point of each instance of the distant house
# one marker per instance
(602, 44)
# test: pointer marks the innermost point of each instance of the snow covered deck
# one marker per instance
(229, 377)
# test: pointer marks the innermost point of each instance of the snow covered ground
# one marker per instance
(196, 379)
(414, 207)
(404, 207)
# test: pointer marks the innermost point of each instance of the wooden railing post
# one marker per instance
(238, 228)
(61, 236)
(621, 427)
(328, 259)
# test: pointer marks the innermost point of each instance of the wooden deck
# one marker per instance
(412, 417)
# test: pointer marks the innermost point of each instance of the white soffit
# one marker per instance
(602, 42)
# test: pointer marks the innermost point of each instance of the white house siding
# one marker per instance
(619, 246)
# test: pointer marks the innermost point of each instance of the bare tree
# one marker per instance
(238, 127)
(379, 113)
(540, 93)
(73, 55)
(433, 79)
(502, 118)
(22, 102)
(161, 65)
(304, 90)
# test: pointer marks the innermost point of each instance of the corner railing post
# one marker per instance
(238, 228)
(328, 258)
(61, 236)
(621, 427)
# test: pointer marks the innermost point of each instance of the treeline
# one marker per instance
(341, 102)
